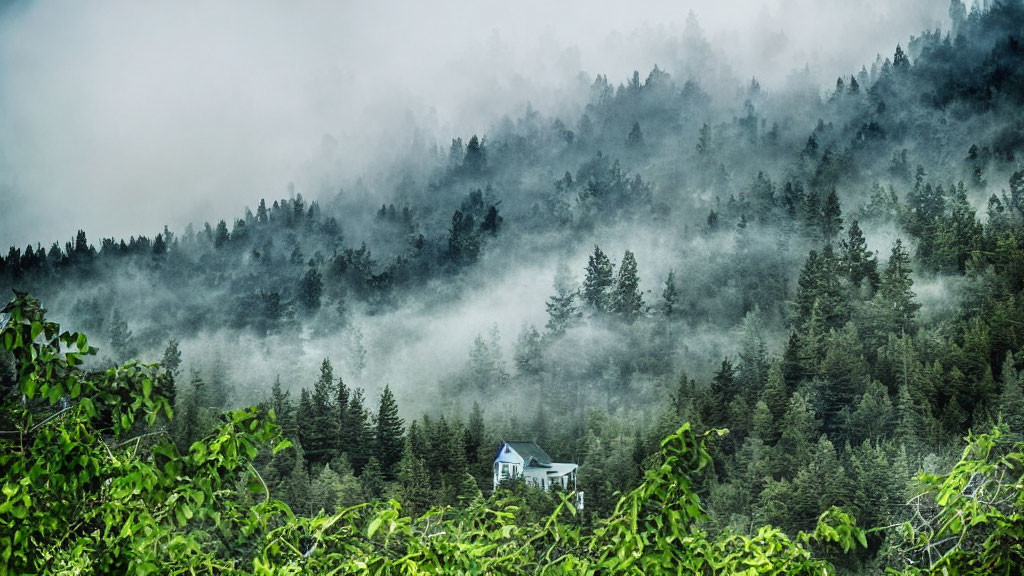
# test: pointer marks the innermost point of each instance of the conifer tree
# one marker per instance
(305, 419)
(341, 405)
(1011, 400)
(281, 403)
(358, 432)
(413, 486)
(895, 288)
(831, 216)
(388, 438)
(799, 429)
(528, 354)
(627, 302)
(473, 442)
(172, 358)
(121, 337)
(189, 427)
(599, 281)
(670, 295)
(858, 263)
(635, 139)
(776, 400)
(561, 308)
(372, 480)
(321, 443)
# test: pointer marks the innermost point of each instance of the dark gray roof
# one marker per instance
(530, 451)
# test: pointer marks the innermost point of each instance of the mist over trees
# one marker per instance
(833, 276)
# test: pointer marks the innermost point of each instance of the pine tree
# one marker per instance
(799, 429)
(281, 403)
(528, 354)
(172, 358)
(831, 216)
(844, 376)
(627, 302)
(475, 160)
(372, 480)
(190, 424)
(561, 308)
(325, 490)
(311, 289)
(670, 295)
(341, 406)
(473, 441)
(295, 487)
(723, 390)
(704, 140)
(776, 400)
(305, 420)
(358, 433)
(859, 263)
(321, 444)
(262, 216)
(121, 337)
(635, 139)
(895, 289)
(220, 237)
(598, 283)
(219, 390)
(413, 486)
(388, 440)
(1011, 400)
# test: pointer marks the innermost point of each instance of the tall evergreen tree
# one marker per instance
(321, 444)
(311, 289)
(895, 288)
(670, 295)
(474, 440)
(341, 405)
(306, 423)
(831, 216)
(858, 263)
(281, 403)
(190, 425)
(389, 435)
(358, 432)
(627, 302)
(599, 281)
(1011, 400)
(561, 308)
(172, 358)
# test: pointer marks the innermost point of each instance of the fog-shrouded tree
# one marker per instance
(626, 299)
(599, 282)
(562, 309)
(670, 296)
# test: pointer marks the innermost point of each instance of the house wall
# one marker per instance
(508, 464)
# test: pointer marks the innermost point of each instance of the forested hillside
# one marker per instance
(833, 275)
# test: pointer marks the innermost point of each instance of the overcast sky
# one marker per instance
(120, 117)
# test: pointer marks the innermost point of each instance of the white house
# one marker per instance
(530, 462)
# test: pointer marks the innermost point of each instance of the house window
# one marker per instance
(541, 483)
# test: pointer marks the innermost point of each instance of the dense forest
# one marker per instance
(834, 277)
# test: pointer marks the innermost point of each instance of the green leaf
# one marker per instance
(374, 526)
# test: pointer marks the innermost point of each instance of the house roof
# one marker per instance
(532, 454)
